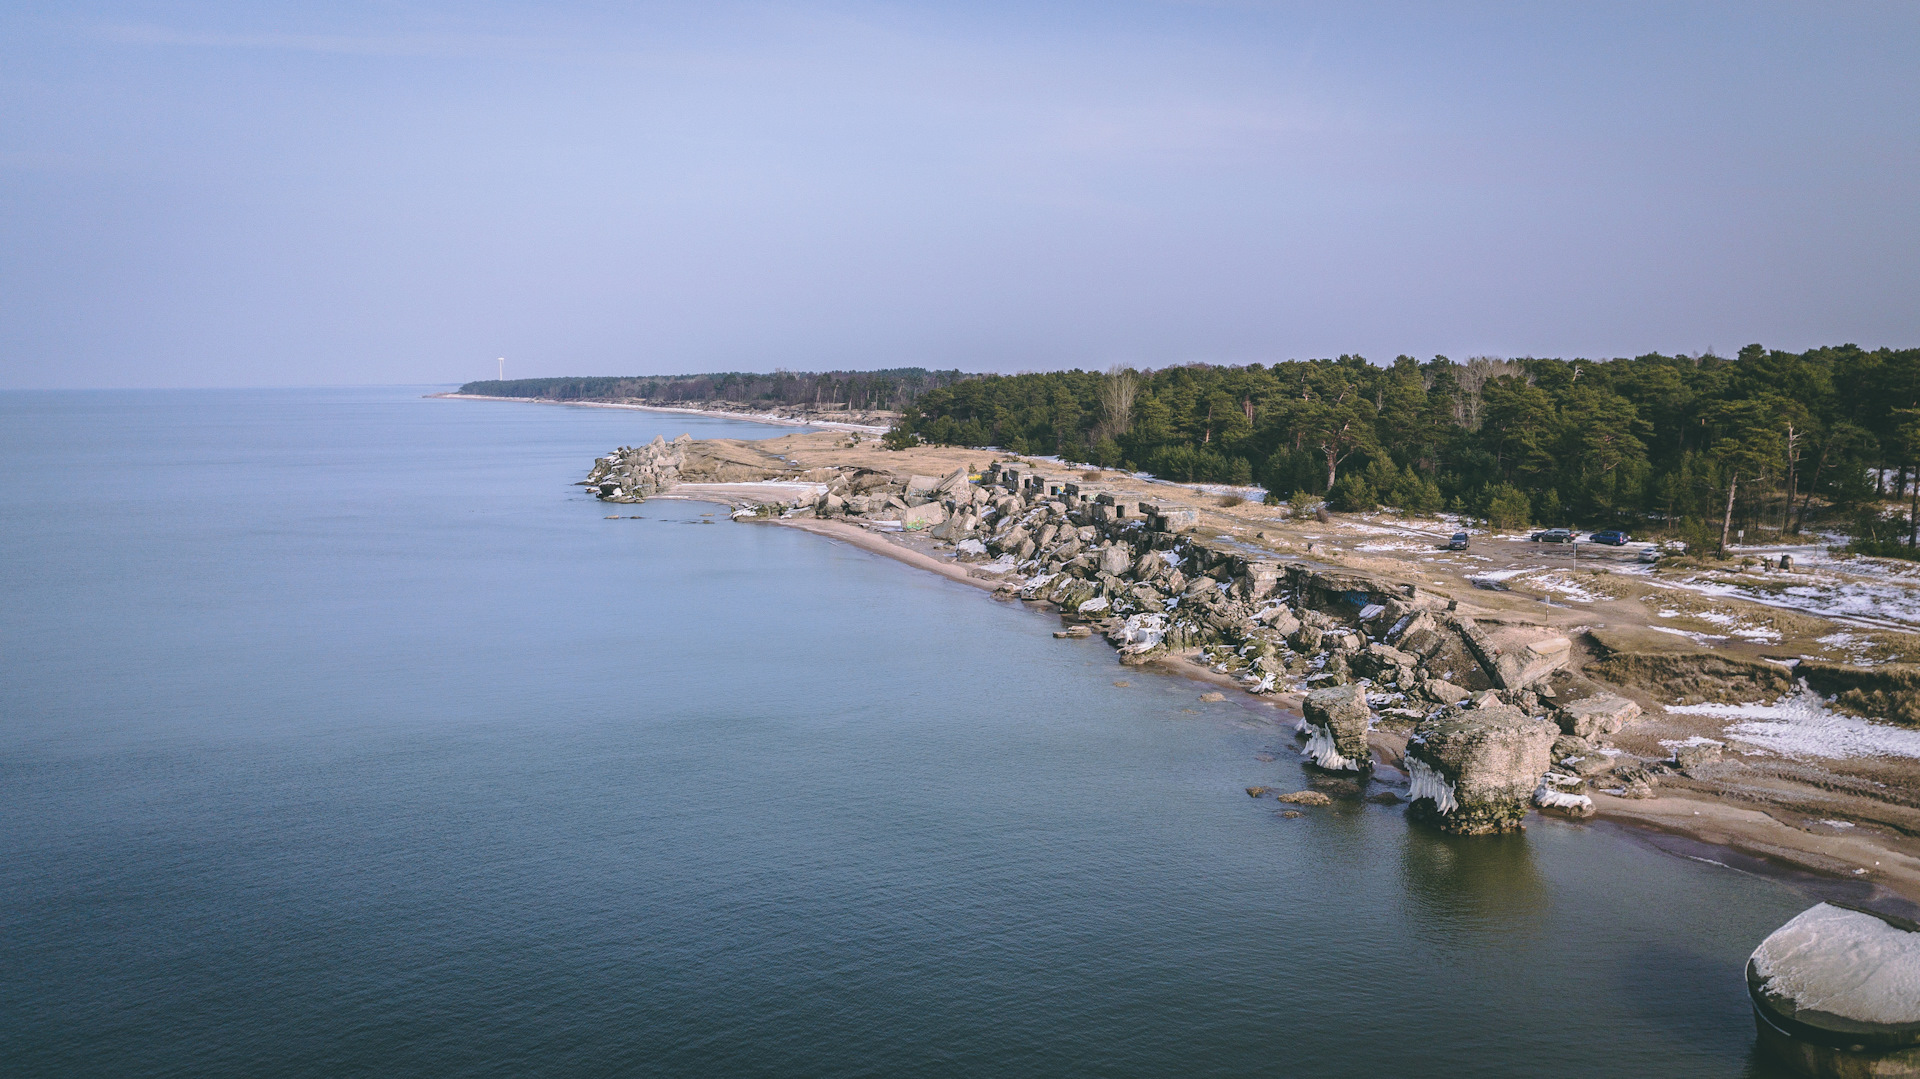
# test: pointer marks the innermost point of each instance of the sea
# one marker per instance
(341, 733)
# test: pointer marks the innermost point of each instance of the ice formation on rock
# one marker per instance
(1322, 750)
(1428, 783)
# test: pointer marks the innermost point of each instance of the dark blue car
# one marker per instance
(1612, 537)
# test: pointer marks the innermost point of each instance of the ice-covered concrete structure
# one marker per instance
(1836, 993)
(1487, 762)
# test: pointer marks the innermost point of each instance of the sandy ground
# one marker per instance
(879, 543)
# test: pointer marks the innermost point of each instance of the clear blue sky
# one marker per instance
(212, 194)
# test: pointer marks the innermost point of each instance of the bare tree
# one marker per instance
(1117, 392)
(1471, 377)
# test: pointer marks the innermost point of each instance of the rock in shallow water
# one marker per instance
(1476, 771)
(1836, 992)
(1336, 726)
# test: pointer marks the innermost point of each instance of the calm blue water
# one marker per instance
(338, 734)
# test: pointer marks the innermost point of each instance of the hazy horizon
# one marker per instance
(217, 194)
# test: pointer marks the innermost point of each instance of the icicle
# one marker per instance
(1430, 784)
(1321, 748)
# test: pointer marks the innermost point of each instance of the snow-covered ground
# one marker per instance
(1699, 638)
(1885, 604)
(1393, 545)
(1560, 584)
(1801, 725)
(1552, 581)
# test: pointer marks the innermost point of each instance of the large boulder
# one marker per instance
(1335, 723)
(1259, 581)
(1279, 619)
(1597, 716)
(1419, 635)
(1475, 771)
(957, 527)
(1169, 519)
(1378, 659)
(954, 485)
(1522, 667)
(925, 515)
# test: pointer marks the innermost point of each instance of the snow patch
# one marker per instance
(1884, 604)
(1696, 740)
(1702, 638)
(1801, 725)
(1547, 797)
(1561, 585)
(1143, 632)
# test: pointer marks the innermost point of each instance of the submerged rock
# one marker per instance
(1307, 798)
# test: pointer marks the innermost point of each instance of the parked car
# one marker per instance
(1649, 554)
(1458, 542)
(1554, 535)
(1612, 537)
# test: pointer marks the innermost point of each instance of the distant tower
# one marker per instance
(503, 368)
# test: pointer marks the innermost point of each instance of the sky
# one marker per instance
(403, 192)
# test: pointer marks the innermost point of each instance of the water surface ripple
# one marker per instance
(338, 734)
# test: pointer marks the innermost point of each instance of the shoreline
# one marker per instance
(1747, 839)
(769, 418)
(1868, 865)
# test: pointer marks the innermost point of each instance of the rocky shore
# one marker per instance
(1483, 715)
(1473, 716)
(1404, 688)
